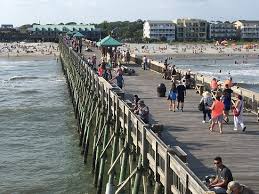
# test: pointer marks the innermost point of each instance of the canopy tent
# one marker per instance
(69, 33)
(108, 41)
(78, 35)
(109, 46)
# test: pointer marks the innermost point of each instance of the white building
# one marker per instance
(222, 30)
(160, 30)
(247, 29)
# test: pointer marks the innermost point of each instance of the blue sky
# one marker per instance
(19, 12)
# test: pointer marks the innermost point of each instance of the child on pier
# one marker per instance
(172, 95)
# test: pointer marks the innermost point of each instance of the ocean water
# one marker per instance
(245, 74)
(39, 150)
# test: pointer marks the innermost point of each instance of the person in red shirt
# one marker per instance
(214, 84)
(217, 109)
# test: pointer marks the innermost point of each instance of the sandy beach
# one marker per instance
(23, 49)
(184, 50)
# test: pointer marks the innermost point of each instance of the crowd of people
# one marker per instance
(217, 105)
(218, 109)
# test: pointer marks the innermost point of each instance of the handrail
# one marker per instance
(164, 164)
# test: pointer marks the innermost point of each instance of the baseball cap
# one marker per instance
(232, 185)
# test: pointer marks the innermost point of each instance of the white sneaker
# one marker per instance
(210, 121)
(203, 121)
(235, 129)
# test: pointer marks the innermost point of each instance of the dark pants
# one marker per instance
(206, 112)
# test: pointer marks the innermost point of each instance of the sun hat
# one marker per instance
(232, 185)
(206, 94)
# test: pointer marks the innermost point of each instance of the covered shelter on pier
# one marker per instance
(108, 47)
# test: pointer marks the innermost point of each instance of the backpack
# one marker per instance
(201, 106)
(172, 94)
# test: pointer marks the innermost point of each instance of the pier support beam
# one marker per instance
(102, 162)
(138, 177)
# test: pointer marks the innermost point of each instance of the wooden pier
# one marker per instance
(140, 161)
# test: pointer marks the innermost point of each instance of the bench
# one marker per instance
(199, 88)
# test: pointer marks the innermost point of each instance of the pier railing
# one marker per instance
(251, 99)
(106, 121)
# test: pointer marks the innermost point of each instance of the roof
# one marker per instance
(159, 21)
(109, 41)
(63, 28)
(249, 21)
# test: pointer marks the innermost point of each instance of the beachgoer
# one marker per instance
(226, 99)
(109, 73)
(172, 95)
(217, 114)
(100, 70)
(238, 119)
(119, 70)
(223, 177)
(229, 82)
(181, 92)
(173, 70)
(165, 69)
(135, 102)
(214, 84)
(143, 111)
(145, 62)
(94, 60)
(119, 79)
(235, 188)
(207, 101)
(127, 57)
(188, 78)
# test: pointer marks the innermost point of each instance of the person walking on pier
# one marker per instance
(217, 114)
(172, 95)
(223, 177)
(207, 101)
(144, 62)
(214, 84)
(238, 113)
(226, 99)
(94, 60)
(181, 92)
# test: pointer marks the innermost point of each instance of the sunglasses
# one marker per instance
(216, 162)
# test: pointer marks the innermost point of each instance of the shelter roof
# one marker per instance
(108, 41)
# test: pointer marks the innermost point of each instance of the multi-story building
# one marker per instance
(247, 29)
(222, 30)
(51, 32)
(7, 26)
(191, 29)
(159, 30)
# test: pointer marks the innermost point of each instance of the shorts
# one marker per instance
(180, 98)
(218, 118)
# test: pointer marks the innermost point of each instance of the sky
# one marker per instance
(19, 12)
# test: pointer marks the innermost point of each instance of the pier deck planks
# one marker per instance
(238, 150)
(185, 129)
